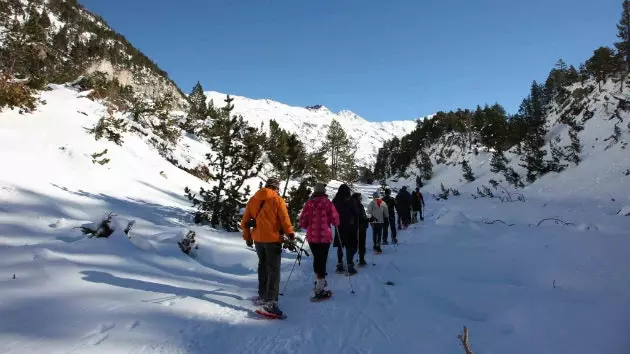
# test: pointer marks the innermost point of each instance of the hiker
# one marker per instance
(417, 204)
(403, 201)
(346, 235)
(267, 211)
(363, 226)
(378, 214)
(316, 217)
(390, 223)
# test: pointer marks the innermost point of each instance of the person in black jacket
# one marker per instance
(417, 204)
(363, 226)
(346, 233)
(403, 200)
(390, 223)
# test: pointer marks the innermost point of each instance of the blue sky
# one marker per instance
(384, 60)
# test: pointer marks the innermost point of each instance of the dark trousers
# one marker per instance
(390, 224)
(377, 234)
(320, 256)
(362, 239)
(269, 258)
(347, 238)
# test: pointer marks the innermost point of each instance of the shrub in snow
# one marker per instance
(15, 94)
(105, 228)
(98, 157)
(467, 171)
(110, 128)
(188, 243)
(625, 211)
(614, 138)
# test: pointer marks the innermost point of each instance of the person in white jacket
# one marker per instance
(378, 213)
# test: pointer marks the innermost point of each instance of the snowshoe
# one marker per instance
(378, 250)
(395, 241)
(321, 296)
(271, 310)
(385, 242)
(315, 284)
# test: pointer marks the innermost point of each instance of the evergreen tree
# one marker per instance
(498, 163)
(557, 156)
(575, 149)
(623, 46)
(236, 156)
(317, 169)
(602, 65)
(426, 166)
(296, 200)
(44, 20)
(339, 149)
(198, 110)
(286, 153)
(512, 177)
(532, 111)
(467, 171)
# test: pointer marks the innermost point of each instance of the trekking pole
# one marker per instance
(341, 245)
(299, 255)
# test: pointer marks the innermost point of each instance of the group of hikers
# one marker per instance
(267, 227)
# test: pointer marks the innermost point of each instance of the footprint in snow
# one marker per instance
(99, 335)
(132, 325)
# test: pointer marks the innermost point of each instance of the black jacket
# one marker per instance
(363, 219)
(403, 200)
(391, 205)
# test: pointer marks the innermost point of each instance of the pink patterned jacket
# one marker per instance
(317, 216)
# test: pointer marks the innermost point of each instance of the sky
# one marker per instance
(384, 60)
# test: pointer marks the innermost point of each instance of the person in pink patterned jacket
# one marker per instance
(317, 216)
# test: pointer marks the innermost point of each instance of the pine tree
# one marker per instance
(467, 171)
(340, 150)
(317, 169)
(498, 163)
(602, 65)
(557, 156)
(198, 110)
(575, 149)
(532, 111)
(296, 200)
(236, 157)
(512, 177)
(286, 153)
(426, 166)
(623, 46)
(44, 20)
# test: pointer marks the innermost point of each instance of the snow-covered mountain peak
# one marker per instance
(311, 123)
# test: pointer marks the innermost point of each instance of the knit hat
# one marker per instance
(320, 188)
(273, 183)
(376, 194)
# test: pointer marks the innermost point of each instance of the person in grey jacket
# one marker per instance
(378, 216)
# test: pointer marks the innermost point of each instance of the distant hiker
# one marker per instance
(390, 223)
(266, 213)
(403, 201)
(417, 204)
(363, 226)
(317, 216)
(378, 214)
(346, 235)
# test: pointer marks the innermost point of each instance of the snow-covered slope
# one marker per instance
(311, 124)
(603, 175)
(519, 289)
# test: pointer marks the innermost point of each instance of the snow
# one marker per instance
(311, 125)
(551, 288)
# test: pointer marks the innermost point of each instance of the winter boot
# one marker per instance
(395, 241)
(315, 284)
(379, 250)
(362, 262)
(351, 270)
(340, 269)
(271, 309)
(385, 242)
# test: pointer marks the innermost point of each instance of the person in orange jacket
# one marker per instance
(265, 215)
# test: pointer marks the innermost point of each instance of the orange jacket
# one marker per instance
(272, 217)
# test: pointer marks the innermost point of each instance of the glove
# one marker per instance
(291, 236)
(372, 219)
(249, 243)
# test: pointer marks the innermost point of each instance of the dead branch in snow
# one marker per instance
(488, 222)
(558, 221)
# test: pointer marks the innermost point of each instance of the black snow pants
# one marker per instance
(320, 256)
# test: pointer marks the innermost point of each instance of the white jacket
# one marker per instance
(380, 213)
